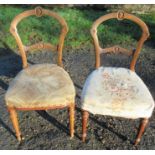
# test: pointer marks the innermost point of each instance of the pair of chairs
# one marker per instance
(109, 91)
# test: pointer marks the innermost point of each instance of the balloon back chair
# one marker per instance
(40, 86)
(117, 91)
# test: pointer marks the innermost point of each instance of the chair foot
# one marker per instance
(141, 130)
(84, 125)
(72, 119)
(14, 119)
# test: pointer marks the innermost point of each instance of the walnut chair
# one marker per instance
(40, 86)
(116, 91)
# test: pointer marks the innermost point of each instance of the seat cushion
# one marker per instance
(116, 92)
(41, 85)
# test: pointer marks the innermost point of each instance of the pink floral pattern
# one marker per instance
(117, 92)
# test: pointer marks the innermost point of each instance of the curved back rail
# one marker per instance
(120, 15)
(38, 11)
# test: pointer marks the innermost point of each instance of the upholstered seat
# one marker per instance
(40, 85)
(117, 92)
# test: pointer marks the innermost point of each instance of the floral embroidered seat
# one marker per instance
(117, 92)
(40, 85)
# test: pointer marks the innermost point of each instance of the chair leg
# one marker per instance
(14, 119)
(142, 129)
(72, 119)
(84, 125)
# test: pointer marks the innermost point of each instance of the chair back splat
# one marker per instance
(39, 12)
(120, 15)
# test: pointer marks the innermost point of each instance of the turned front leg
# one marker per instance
(72, 119)
(84, 125)
(142, 129)
(14, 119)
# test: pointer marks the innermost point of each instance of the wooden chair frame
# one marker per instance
(38, 11)
(120, 15)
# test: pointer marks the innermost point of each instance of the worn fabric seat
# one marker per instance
(117, 92)
(40, 85)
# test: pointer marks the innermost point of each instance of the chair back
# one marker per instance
(38, 12)
(120, 15)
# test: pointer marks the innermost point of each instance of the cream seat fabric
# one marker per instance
(41, 85)
(117, 92)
